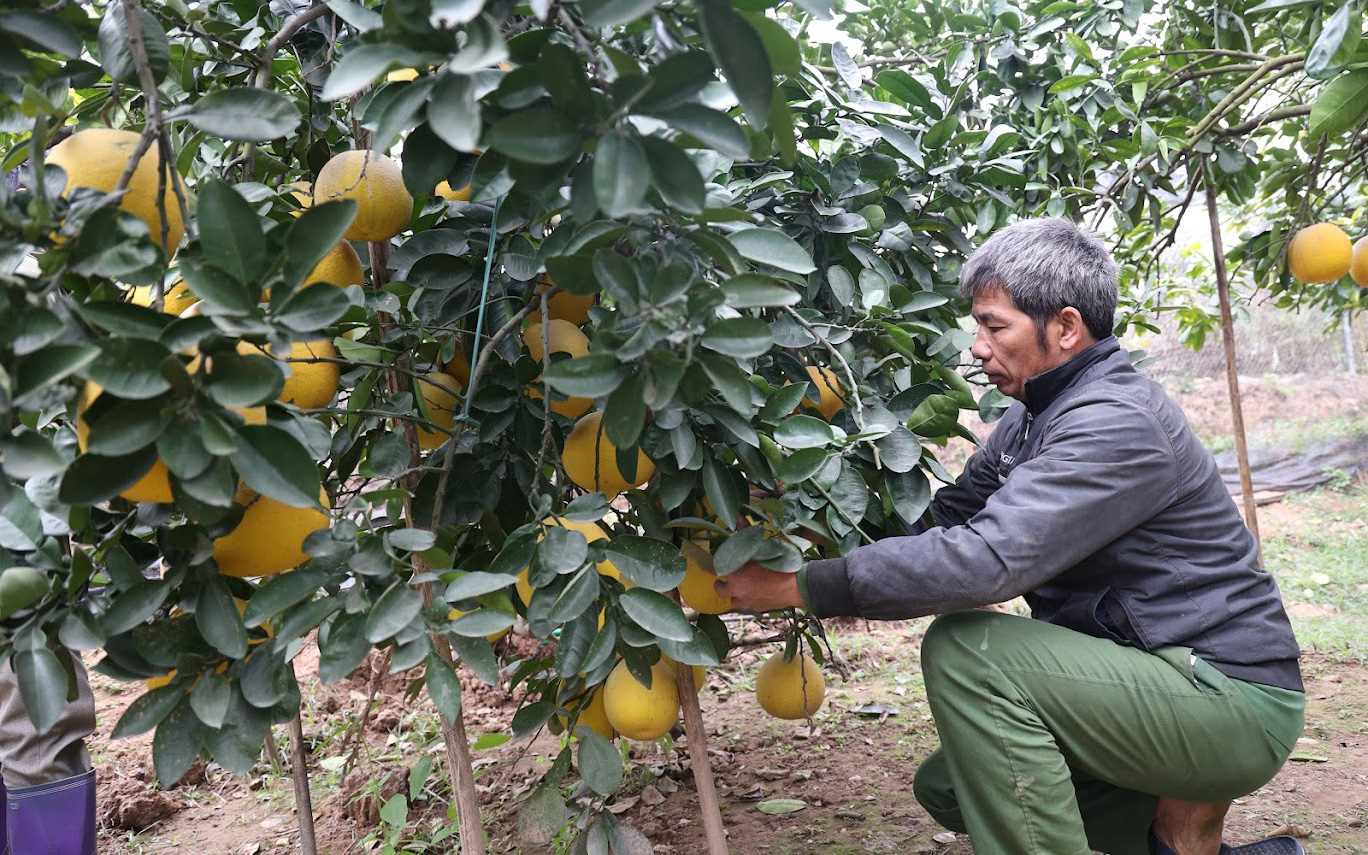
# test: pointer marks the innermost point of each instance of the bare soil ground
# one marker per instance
(852, 772)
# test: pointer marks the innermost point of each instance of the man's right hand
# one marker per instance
(755, 588)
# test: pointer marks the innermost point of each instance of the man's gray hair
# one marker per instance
(1045, 265)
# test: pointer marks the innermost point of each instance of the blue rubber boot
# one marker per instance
(52, 819)
(1281, 845)
(4, 809)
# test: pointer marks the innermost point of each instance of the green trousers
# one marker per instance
(1057, 743)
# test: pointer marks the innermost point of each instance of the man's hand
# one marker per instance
(755, 588)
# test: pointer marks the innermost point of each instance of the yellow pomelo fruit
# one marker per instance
(1359, 269)
(697, 589)
(591, 533)
(829, 389)
(637, 712)
(302, 194)
(459, 366)
(175, 299)
(158, 682)
(441, 392)
(587, 448)
(563, 337)
(311, 384)
(593, 716)
(98, 156)
(401, 75)
(376, 183)
(792, 689)
(341, 266)
(270, 537)
(491, 638)
(700, 674)
(1320, 253)
(461, 194)
(562, 306)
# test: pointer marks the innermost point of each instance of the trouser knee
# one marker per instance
(956, 642)
(934, 791)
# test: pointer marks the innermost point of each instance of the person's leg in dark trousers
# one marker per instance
(1055, 742)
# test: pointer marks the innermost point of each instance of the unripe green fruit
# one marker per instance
(875, 216)
(21, 587)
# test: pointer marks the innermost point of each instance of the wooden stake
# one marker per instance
(713, 829)
(299, 772)
(1232, 367)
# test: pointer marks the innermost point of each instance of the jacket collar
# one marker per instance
(1045, 387)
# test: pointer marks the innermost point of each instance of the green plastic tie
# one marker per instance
(479, 318)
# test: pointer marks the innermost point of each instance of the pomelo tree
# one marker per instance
(754, 237)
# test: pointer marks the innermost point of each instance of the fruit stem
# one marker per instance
(713, 830)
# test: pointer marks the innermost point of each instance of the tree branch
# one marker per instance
(1250, 125)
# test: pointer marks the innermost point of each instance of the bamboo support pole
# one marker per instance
(713, 830)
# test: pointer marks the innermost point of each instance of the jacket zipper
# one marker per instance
(1030, 417)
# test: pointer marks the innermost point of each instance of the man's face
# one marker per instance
(1008, 346)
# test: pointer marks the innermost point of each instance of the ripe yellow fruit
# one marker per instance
(302, 194)
(591, 533)
(158, 682)
(459, 366)
(1359, 268)
(1320, 253)
(461, 194)
(697, 589)
(441, 392)
(311, 384)
(637, 712)
(700, 674)
(270, 537)
(175, 299)
(562, 306)
(491, 638)
(376, 183)
(341, 267)
(829, 389)
(587, 448)
(563, 337)
(792, 689)
(592, 716)
(97, 157)
(401, 75)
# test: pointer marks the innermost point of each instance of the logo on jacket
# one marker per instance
(1007, 459)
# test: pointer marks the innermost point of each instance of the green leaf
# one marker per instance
(467, 586)
(648, 562)
(541, 815)
(218, 620)
(1336, 44)
(781, 806)
(28, 454)
(740, 52)
(45, 30)
(344, 647)
(312, 235)
(1341, 104)
(677, 178)
(614, 13)
(537, 135)
(41, 370)
(600, 764)
(624, 414)
(739, 337)
(803, 432)
(755, 291)
(177, 743)
(802, 465)
(274, 464)
(244, 113)
(230, 232)
(772, 247)
(359, 67)
(783, 51)
(210, 699)
(243, 380)
(1070, 83)
(657, 614)
(910, 492)
(279, 593)
(134, 606)
(359, 17)
(585, 376)
(577, 596)
(714, 129)
(481, 623)
(393, 612)
(904, 87)
(562, 550)
(622, 174)
(729, 380)
(116, 54)
(845, 66)
(313, 307)
(782, 129)
(42, 685)
(412, 539)
(443, 686)
(91, 479)
(739, 549)
(147, 711)
(453, 112)
(219, 289)
(130, 368)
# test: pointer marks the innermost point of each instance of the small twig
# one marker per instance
(1254, 124)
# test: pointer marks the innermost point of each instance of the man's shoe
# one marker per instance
(52, 819)
(1281, 845)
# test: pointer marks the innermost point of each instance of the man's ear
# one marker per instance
(1073, 333)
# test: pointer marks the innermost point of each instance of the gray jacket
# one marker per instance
(1095, 502)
